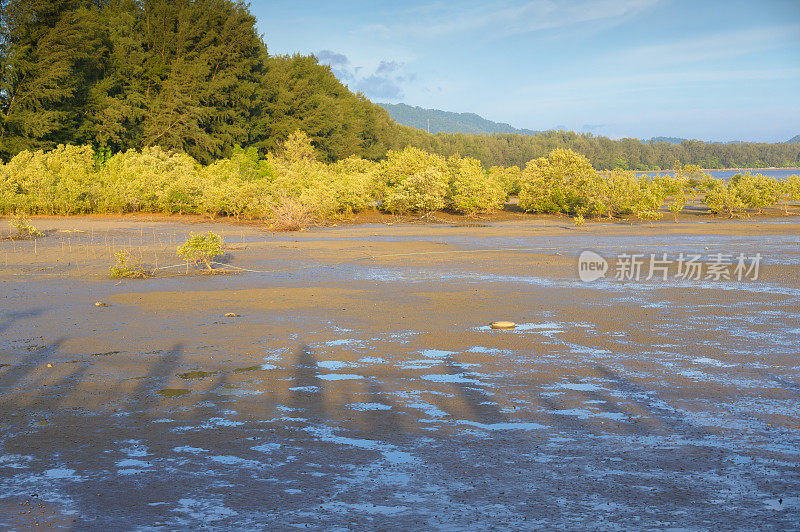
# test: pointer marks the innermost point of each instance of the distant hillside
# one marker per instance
(447, 122)
(794, 139)
(670, 140)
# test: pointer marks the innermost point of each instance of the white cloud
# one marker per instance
(385, 83)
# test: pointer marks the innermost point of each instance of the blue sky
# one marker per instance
(711, 70)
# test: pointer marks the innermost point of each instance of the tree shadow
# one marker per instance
(22, 369)
(307, 393)
(384, 421)
(143, 397)
(786, 384)
(635, 394)
(61, 391)
(480, 404)
(14, 316)
(558, 419)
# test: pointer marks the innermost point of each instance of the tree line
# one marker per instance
(292, 187)
(195, 76)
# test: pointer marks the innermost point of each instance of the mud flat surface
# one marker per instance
(361, 387)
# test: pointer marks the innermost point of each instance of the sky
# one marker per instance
(704, 69)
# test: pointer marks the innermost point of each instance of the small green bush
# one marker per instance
(125, 268)
(201, 248)
(22, 225)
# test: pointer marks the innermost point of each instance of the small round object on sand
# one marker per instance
(231, 315)
(100, 304)
(503, 325)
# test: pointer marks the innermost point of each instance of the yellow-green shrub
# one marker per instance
(722, 197)
(201, 248)
(756, 191)
(617, 192)
(622, 192)
(790, 191)
(297, 186)
(152, 180)
(236, 186)
(562, 182)
(306, 189)
(356, 183)
(510, 178)
(54, 182)
(471, 190)
(414, 181)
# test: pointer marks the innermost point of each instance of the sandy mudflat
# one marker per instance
(361, 387)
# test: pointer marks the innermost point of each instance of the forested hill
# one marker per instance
(436, 121)
(794, 139)
(195, 76)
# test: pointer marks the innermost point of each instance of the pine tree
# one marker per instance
(42, 42)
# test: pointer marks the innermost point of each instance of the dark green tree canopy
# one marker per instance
(190, 75)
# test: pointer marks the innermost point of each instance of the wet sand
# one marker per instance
(361, 387)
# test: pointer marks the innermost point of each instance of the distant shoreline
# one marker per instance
(724, 169)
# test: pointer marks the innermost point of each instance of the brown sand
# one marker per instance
(361, 376)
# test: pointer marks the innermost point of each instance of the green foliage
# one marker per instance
(323, 190)
(562, 182)
(125, 268)
(295, 188)
(756, 191)
(53, 182)
(790, 191)
(414, 181)
(510, 178)
(675, 188)
(722, 197)
(606, 154)
(648, 200)
(622, 192)
(201, 248)
(192, 76)
(355, 183)
(236, 186)
(678, 203)
(471, 189)
(22, 225)
(46, 60)
(152, 180)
